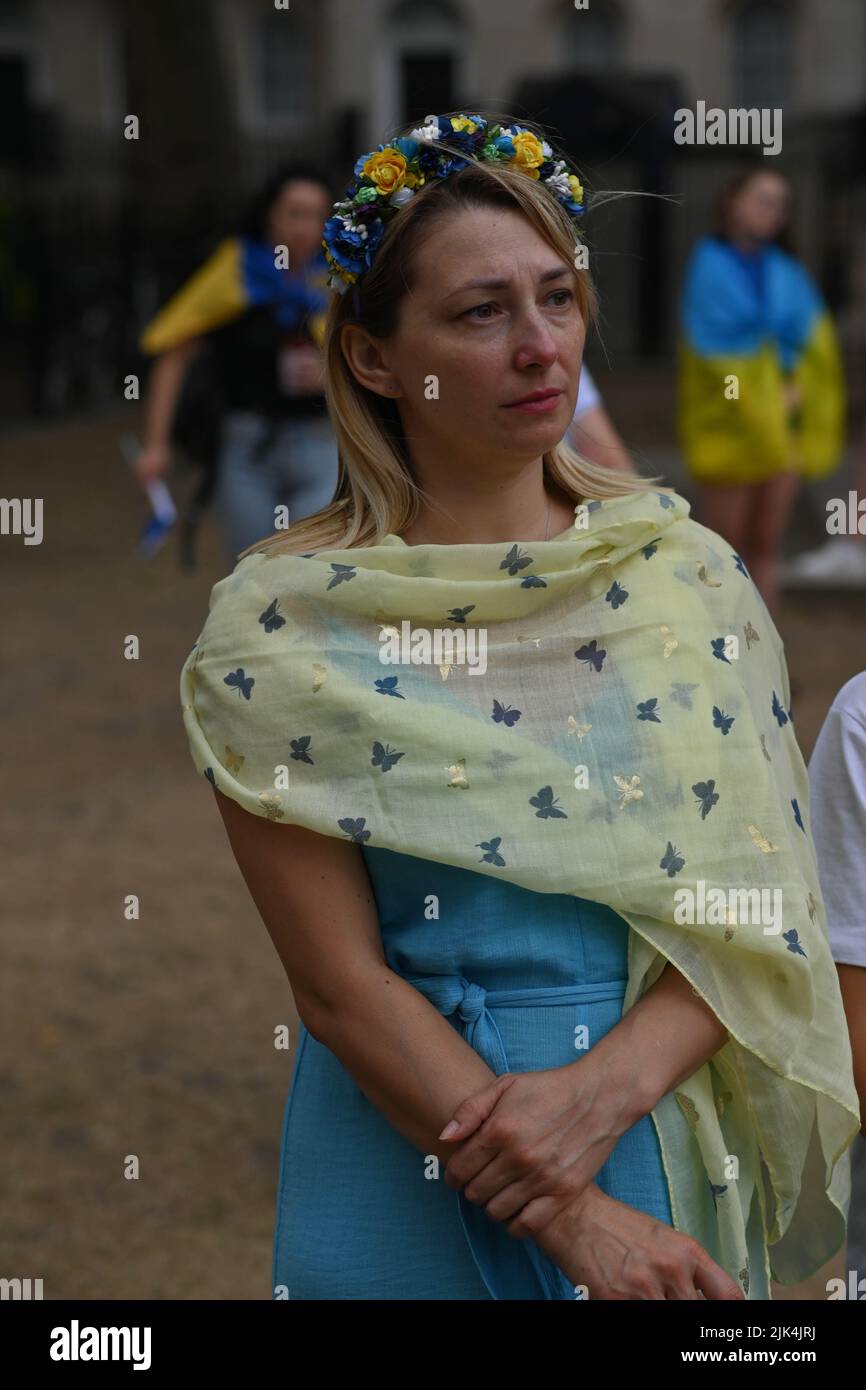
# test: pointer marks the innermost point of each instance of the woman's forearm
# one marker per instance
(163, 390)
(405, 1056)
(662, 1040)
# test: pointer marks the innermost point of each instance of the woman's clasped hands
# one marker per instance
(529, 1147)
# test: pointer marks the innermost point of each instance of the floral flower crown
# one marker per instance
(388, 177)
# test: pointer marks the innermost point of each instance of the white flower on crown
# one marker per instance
(401, 196)
(559, 183)
(546, 150)
(429, 130)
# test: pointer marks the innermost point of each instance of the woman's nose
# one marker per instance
(535, 341)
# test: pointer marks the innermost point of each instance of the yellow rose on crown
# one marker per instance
(528, 154)
(464, 123)
(387, 170)
(576, 187)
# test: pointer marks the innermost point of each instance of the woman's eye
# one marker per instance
(476, 307)
(569, 294)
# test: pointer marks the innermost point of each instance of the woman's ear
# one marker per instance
(363, 354)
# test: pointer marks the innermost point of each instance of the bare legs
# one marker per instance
(752, 518)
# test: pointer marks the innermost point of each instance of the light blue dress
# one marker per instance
(517, 973)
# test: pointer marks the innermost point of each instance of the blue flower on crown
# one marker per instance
(349, 246)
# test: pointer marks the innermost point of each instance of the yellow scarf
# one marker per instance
(617, 728)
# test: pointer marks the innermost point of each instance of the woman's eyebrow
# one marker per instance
(553, 274)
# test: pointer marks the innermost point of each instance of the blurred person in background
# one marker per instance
(761, 389)
(263, 323)
(837, 774)
(592, 432)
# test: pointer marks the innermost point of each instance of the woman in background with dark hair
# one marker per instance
(259, 303)
(760, 378)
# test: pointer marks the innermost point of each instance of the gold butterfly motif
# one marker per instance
(764, 750)
(760, 840)
(671, 642)
(751, 635)
(629, 790)
(744, 1279)
(723, 1100)
(812, 907)
(271, 805)
(580, 730)
(457, 774)
(704, 577)
(445, 671)
(319, 673)
(234, 761)
(389, 630)
(536, 640)
(689, 1109)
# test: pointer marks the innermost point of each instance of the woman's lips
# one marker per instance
(538, 407)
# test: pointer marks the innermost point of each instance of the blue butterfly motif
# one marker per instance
(299, 748)
(648, 551)
(242, 682)
(616, 596)
(793, 941)
(533, 581)
(681, 692)
(646, 710)
(491, 853)
(721, 720)
(717, 1189)
(505, 714)
(718, 646)
(665, 501)
(458, 615)
(208, 772)
(592, 653)
(707, 796)
(778, 711)
(738, 561)
(671, 861)
(355, 829)
(271, 619)
(514, 562)
(546, 803)
(592, 506)
(797, 817)
(384, 757)
(342, 573)
(387, 685)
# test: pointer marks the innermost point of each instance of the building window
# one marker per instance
(425, 36)
(592, 39)
(284, 65)
(762, 52)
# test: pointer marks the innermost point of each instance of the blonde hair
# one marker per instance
(375, 493)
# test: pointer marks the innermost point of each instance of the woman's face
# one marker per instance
(485, 346)
(297, 218)
(760, 210)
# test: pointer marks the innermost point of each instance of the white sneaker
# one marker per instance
(840, 563)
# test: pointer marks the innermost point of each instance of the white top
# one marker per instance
(837, 773)
(587, 393)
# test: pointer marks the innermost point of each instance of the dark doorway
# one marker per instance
(426, 85)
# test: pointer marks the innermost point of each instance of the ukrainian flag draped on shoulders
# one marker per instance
(243, 273)
(751, 324)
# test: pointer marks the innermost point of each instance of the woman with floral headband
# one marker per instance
(552, 1043)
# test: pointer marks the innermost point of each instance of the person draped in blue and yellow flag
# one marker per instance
(761, 388)
(263, 323)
